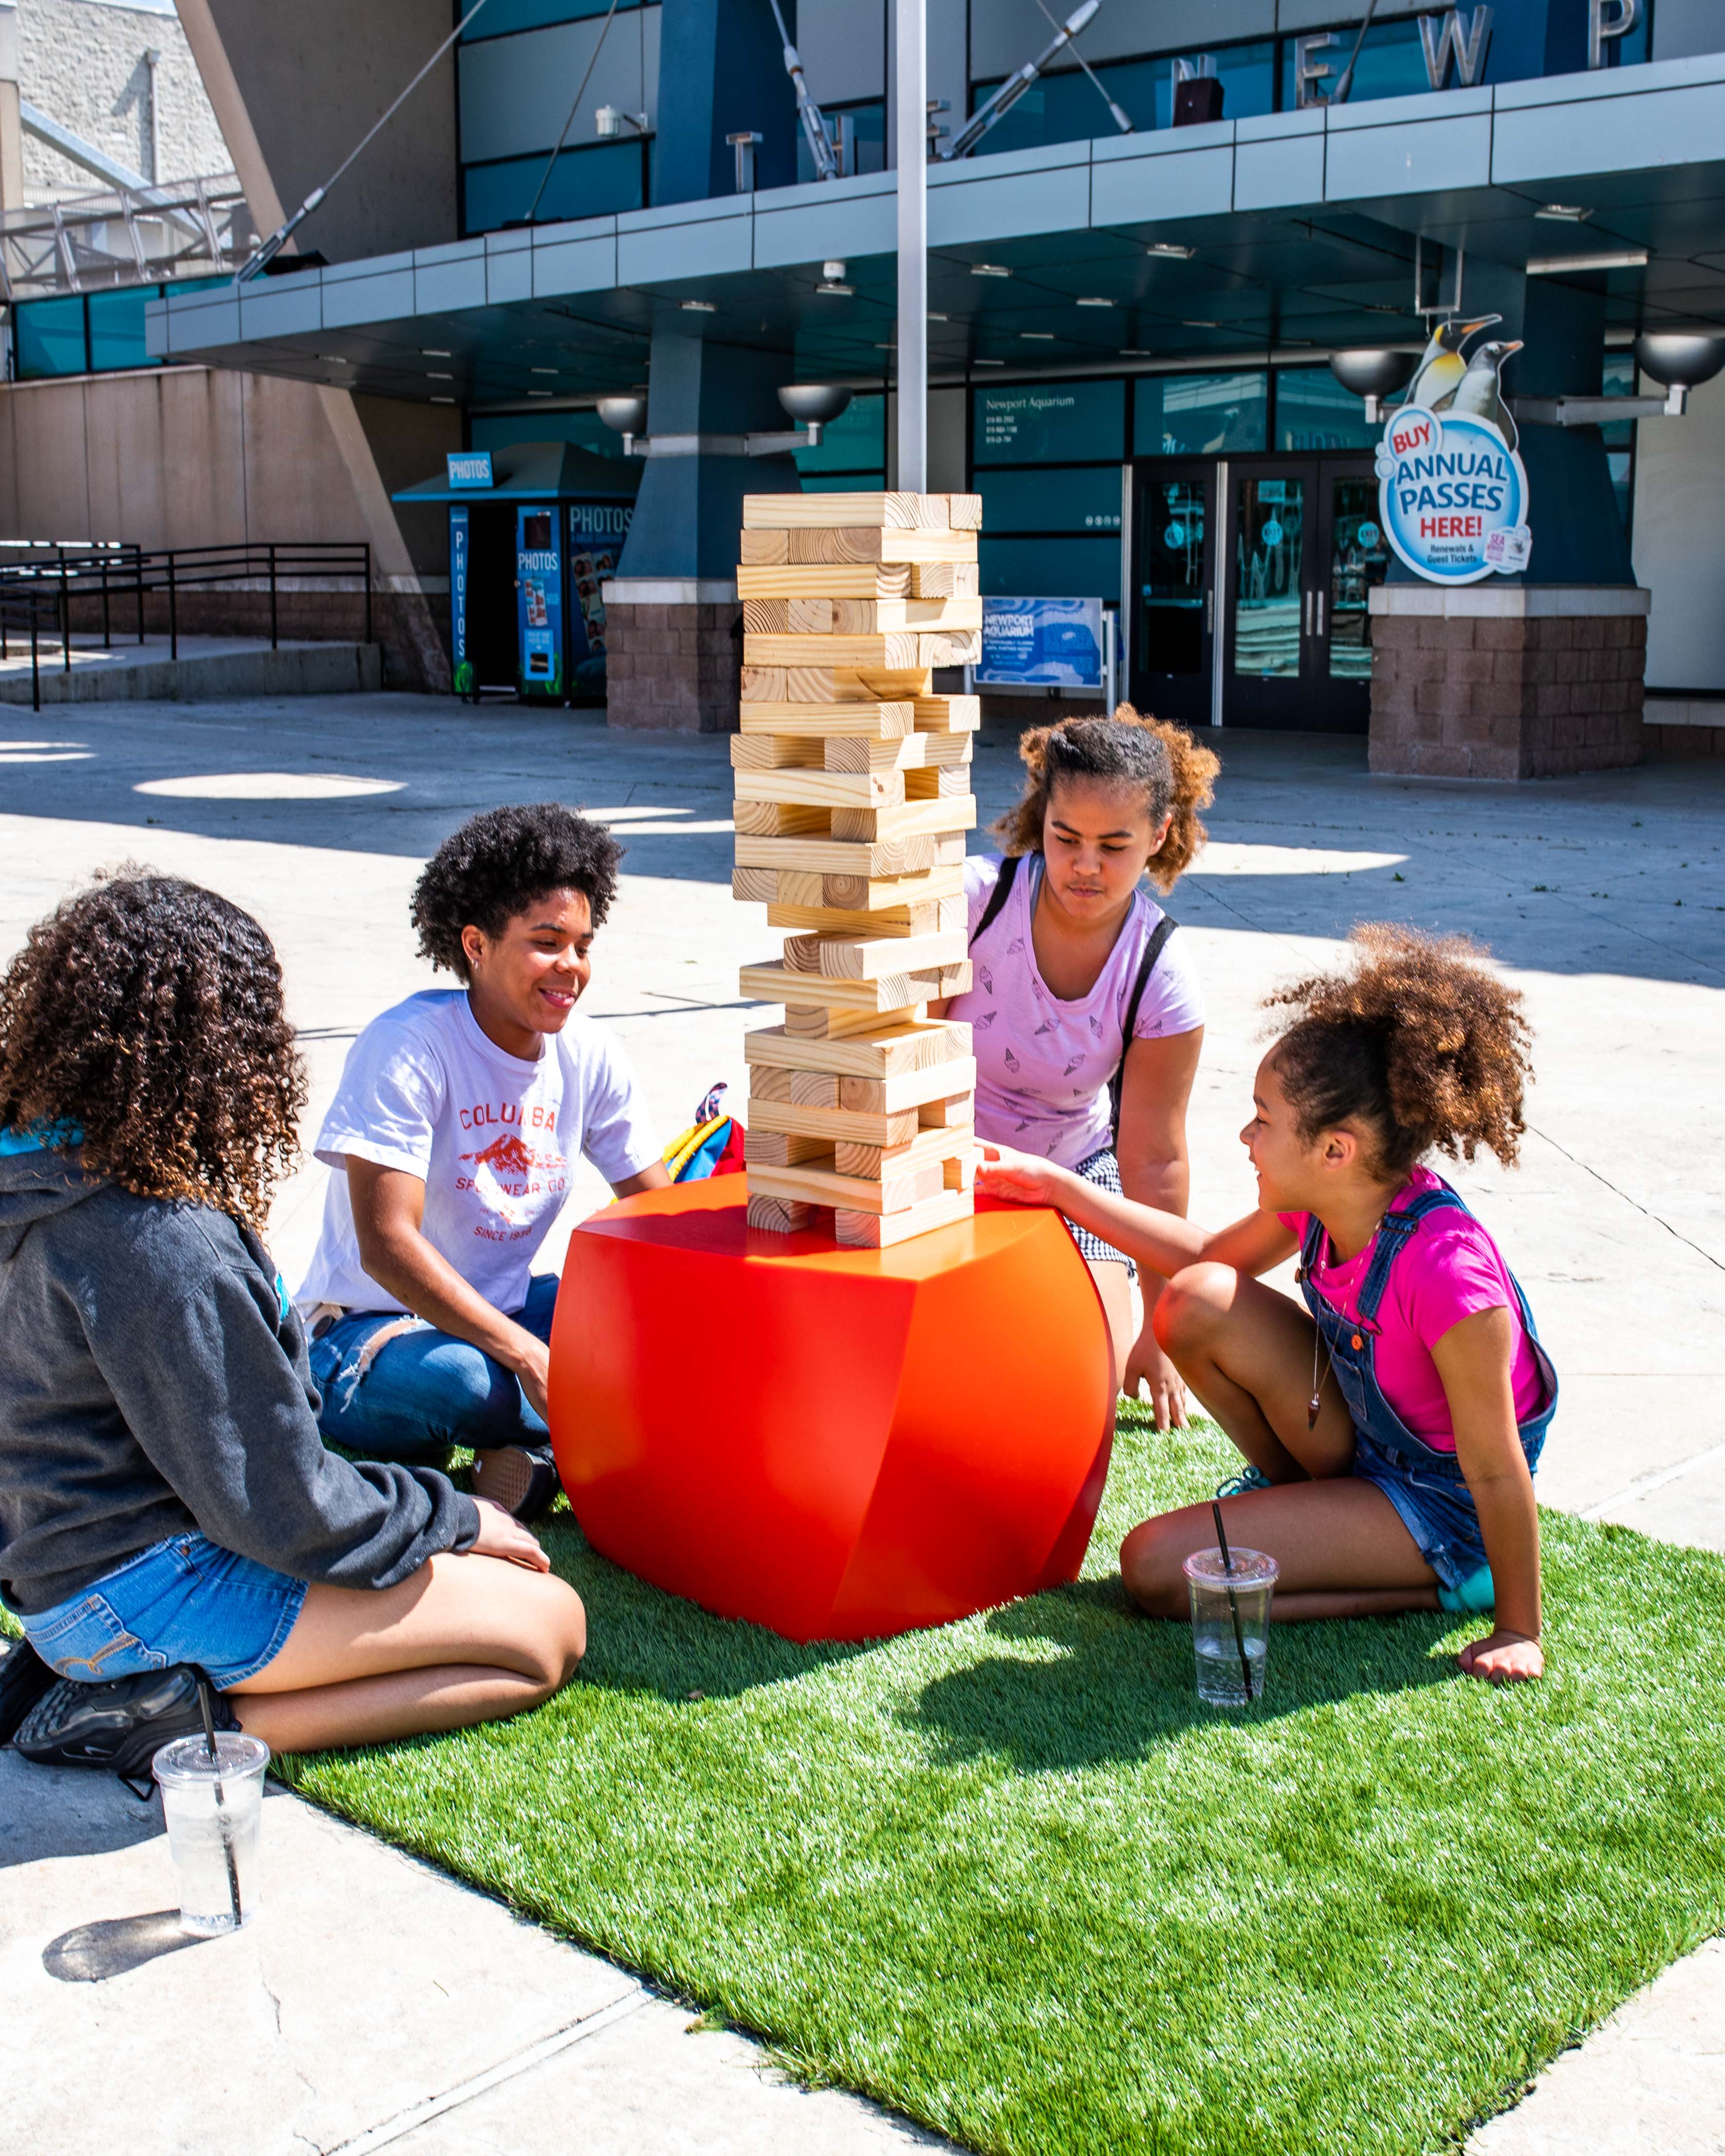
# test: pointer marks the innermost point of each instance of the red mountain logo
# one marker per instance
(507, 1154)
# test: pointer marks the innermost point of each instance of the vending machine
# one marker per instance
(540, 674)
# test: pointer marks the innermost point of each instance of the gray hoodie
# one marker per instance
(153, 1378)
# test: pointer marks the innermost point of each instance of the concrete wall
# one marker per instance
(313, 75)
(1680, 542)
(82, 61)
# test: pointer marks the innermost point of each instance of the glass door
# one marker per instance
(1356, 555)
(1174, 623)
(1271, 557)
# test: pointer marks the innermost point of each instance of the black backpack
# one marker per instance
(1147, 966)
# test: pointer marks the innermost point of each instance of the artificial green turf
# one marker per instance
(1012, 1878)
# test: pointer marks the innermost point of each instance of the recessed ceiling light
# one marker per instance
(433, 376)
(834, 272)
(1564, 213)
(542, 370)
(1095, 303)
(1038, 337)
(1171, 250)
(883, 347)
(940, 318)
(335, 358)
(443, 400)
(1561, 265)
(837, 290)
(1133, 351)
(1200, 326)
(699, 307)
(989, 270)
(426, 353)
(540, 393)
(988, 363)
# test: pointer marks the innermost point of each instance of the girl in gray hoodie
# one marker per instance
(165, 1496)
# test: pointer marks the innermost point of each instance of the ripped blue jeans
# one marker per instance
(423, 1391)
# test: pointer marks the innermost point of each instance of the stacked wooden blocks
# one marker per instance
(853, 797)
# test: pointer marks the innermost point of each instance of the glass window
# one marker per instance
(855, 441)
(117, 328)
(1617, 378)
(503, 16)
(1314, 411)
(1046, 499)
(1064, 106)
(1050, 568)
(1178, 415)
(48, 338)
(856, 482)
(1270, 537)
(592, 182)
(1622, 462)
(859, 132)
(1391, 63)
(1048, 422)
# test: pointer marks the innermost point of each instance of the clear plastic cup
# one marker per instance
(1230, 1623)
(214, 1810)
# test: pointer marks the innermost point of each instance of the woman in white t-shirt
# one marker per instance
(1085, 1007)
(451, 1139)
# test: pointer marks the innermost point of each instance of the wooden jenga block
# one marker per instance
(765, 1148)
(754, 886)
(886, 992)
(797, 888)
(818, 684)
(902, 922)
(939, 580)
(792, 512)
(834, 1127)
(905, 752)
(953, 1078)
(868, 957)
(896, 857)
(820, 1183)
(874, 1163)
(778, 1216)
(880, 1231)
(815, 1089)
(941, 782)
(777, 819)
(787, 752)
(886, 720)
(769, 1081)
(956, 1112)
(865, 543)
(882, 1051)
(825, 615)
(909, 819)
(941, 714)
(823, 788)
(959, 1170)
(783, 579)
(820, 1022)
(871, 894)
(893, 653)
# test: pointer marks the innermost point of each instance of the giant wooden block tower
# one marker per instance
(853, 797)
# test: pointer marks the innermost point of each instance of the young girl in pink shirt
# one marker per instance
(1391, 1427)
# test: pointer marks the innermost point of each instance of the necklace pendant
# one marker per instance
(1312, 1407)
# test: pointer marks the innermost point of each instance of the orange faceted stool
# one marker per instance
(837, 1443)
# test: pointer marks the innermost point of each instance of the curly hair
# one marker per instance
(146, 1014)
(499, 864)
(1416, 1040)
(1131, 750)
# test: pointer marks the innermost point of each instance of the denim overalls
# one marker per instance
(1426, 1486)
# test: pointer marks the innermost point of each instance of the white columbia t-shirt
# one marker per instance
(493, 1137)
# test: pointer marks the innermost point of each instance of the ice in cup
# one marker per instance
(214, 1810)
(1230, 1622)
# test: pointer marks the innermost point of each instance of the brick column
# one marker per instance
(1497, 681)
(673, 648)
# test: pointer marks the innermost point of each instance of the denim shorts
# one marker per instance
(1439, 1513)
(185, 1599)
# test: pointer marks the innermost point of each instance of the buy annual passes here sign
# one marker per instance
(1453, 496)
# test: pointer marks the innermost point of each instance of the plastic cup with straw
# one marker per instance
(1231, 1591)
(212, 1796)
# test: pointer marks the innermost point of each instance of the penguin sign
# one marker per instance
(1452, 491)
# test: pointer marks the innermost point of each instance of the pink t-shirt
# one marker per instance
(1043, 1065)
(1447, 1269)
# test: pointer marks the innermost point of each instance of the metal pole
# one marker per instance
(137, 571)
(173, 612)
(65, 616)
(35, 661)
(107, 630)
(1222, 584)
(272, 596)
(911, 138)
(367, 568)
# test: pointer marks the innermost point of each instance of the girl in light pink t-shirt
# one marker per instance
(1084, 1011)
(1393, 1426)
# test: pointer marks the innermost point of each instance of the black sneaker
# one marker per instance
(521, 1478)
(24, 1677)
(118, 1726)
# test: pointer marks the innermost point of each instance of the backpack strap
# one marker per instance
(1147, 966)
(996, 898)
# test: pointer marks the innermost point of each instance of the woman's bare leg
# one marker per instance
(1114, 1284)
(1246, 1352)
(464, 1640)
(1339, 1545)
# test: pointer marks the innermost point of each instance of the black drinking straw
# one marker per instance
(227, 1825)
(1245, 1667)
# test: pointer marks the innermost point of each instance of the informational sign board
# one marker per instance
(1050, 422)
(539, 602)
(1042, 643)
(596, 531)
(1453, 496)
(468, 468)
(460, 567)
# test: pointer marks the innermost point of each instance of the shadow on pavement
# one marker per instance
(90, 1954)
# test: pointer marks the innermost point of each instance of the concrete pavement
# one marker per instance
(1603, 899)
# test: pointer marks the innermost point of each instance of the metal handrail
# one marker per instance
(62, 574)
(28, 612)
